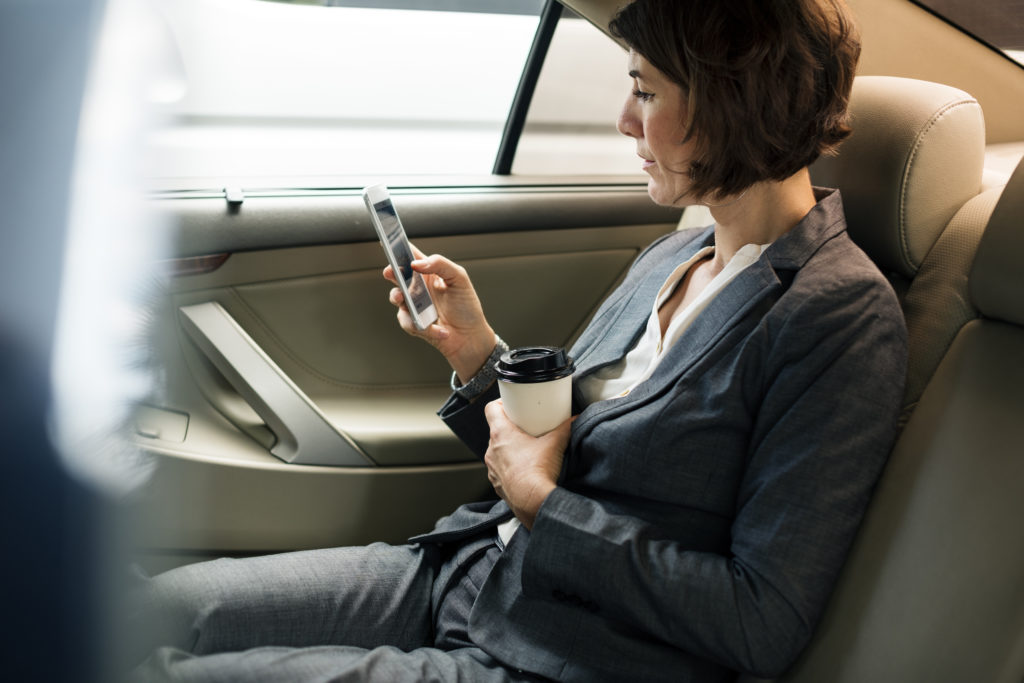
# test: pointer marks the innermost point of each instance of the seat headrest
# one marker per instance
(997, 276)
(916, 154)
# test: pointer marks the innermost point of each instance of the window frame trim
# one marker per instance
(959, 27)
(516, 120)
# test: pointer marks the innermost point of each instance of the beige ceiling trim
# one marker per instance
(901, 39)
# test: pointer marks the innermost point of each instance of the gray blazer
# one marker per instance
(700, 522)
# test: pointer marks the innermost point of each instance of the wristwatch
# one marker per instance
(485, 375)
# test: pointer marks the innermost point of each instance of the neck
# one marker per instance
(761, 214)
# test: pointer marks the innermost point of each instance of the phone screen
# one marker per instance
(399, 246)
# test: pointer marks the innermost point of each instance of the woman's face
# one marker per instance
(654, 115)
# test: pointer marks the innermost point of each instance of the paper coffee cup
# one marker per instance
(535, 383)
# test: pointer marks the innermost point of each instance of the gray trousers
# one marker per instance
(378, 613)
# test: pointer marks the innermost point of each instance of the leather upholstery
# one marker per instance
(934, 588)
(936, 304)
(915, 157)
(997, 277)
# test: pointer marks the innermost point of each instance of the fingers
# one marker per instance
(449, 271)
(492, 475)
(446, 272)
(434, 333)
(494, 411)
(434, 264)
(493, 408)
(559, 436)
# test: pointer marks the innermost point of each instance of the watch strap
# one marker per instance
(484, 377)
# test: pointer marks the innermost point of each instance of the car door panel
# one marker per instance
(303, 281)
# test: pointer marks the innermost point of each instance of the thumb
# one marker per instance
(452, 273)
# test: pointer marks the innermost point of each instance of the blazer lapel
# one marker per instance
(617, 336)
(743, 302)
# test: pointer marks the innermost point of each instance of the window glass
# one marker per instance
(1000, 23)
(279, 89)
(570, 127)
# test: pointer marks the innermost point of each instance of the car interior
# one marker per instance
(289, 411)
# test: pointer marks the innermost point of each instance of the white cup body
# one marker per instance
(539, 407)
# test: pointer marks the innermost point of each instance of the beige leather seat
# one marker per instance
(910, 176)
(934, 589)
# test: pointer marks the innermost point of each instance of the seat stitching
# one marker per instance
(905, 247)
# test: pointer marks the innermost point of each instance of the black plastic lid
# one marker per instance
(531, 364)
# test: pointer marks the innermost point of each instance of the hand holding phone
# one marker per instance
(399, 252)
(462, 333)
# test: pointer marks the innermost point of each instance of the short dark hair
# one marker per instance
(767, 82)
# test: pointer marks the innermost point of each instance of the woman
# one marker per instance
(730, 433)
(736, 398)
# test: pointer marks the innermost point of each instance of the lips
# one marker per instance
(647, 163)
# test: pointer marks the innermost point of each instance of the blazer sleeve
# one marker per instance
(832, 388)
(467, 421)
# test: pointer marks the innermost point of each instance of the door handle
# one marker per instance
(304, 435)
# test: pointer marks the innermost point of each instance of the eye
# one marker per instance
(642, 96)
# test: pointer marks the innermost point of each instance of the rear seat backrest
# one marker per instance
(934, 588)
(937, 304)
(915, 158)
(997, 276)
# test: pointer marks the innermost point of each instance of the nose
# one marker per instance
(628, 122)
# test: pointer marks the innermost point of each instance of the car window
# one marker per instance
(276, 89)
(999, 23)
(570, 127)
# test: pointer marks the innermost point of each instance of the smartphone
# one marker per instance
(396, 246)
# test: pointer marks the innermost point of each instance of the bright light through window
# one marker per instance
(290, 90)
